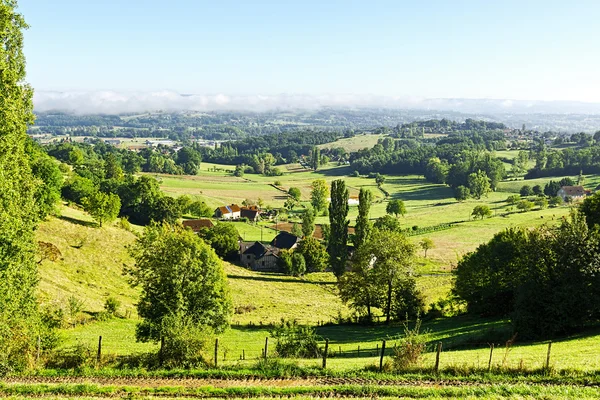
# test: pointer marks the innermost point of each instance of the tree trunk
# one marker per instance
(388, 307)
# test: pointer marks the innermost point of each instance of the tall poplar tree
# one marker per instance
(363, 227)
(18, 213)
(338, 213)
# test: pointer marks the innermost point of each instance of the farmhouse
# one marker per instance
(250, 212)
(259, 257)
(576, 193)
(197, 224)
(352, 200)
(228, 212)
(285, 240)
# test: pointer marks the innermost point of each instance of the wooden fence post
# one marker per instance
(99, 355)
(491, 353)
(325, 353)
(216, 351)
(243, 354)
(358, 351)
(437, 357)
(381, 358)
(266, 346)
(548, 355)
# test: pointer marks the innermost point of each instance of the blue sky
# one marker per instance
(526, 50)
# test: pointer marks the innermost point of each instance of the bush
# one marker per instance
(409, 349)
(295, 341)
(78, 356)
(124, 224)
(111, 306)
(185, 342)
(277, 183)
(355, 174)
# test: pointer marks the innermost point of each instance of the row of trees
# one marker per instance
(545, 279)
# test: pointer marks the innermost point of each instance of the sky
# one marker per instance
(523, 50)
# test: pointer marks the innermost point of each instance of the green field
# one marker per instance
(358, 142)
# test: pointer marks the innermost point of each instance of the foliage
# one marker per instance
(381, 275)
(481, 211)
(318, 195)
(591, 209)
(513, 199)
(314, 253)
(363, 226)
(479, 184)
(296, 230)
(545, 279)
(387, 223)
(551, 189)
(102, 207)
(426, 244)
(111, 306)
(223, 238)
(395, 207)
(186, 343)
(525, 205)
(557, 201)
(298, 264)
(199, 208)
(338, 214)
(409, 349)
(541, 202)
(462, 193)
(48, 190)
(308, 223)
(19, 319)
(295, 341)
(526, 191)
(179, 275)
(295, 193)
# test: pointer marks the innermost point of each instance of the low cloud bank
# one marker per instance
(112, 102)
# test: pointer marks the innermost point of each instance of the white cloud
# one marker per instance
(111, 102)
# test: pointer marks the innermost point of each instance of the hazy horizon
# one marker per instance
(519, 51)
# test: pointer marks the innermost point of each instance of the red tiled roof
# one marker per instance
(573, 191)
(197, 224)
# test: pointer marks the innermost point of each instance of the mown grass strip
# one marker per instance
(416, 392)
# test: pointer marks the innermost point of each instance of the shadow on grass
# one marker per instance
(89, 224)
(433, 193)
(277, 279)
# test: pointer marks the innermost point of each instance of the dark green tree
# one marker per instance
(314, 254)
(462, 193)
(222, 237)
(479, 184)
(338, 214)
(308, 222)
(295, 193)
(363, 226)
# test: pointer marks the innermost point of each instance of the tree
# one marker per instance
(314, 254)
(295, 193)
(326, 233)
(179, 274)
(380, 268)
(395, 207)
(525, 191)
(47, 192)
(551, 189)
(363, 227)
(590, 209)
(556, 201)
(296, 230)
(479, 184)
(338, 213)
(537, 190)
(525, 205)
(308, 223)
(541, 202)
(318, 195)
(315, 160)
(379, 179)
(112, 168)
(520, 162)
(298, 264)
(462, 193)
(102, 207)
(199, 208)
(290, 203)
(19, 322)
(223, 238)
(481, 211)
(387, 223)
(426, 244)
(513, 199)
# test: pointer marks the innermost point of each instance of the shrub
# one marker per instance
(124, 224)
(409, 349)
(78, 356)
(185, 342)
(295, 341)
(111, 305)
(355, 174)
(277, 183)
